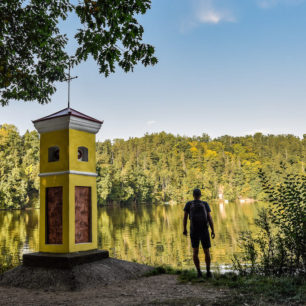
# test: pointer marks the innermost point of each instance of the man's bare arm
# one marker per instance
(211, 224)
(185, 223)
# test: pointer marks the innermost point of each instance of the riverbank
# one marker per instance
(155, 290)
(163, 289)
(248, 289)
(116, 282)
(106, 282)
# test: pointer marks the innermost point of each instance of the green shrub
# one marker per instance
(280, 246)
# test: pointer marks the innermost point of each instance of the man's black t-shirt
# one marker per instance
(187, 209)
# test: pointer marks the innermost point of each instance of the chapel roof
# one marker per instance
(67, 112)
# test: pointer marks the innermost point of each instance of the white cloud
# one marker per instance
(207, 12)
(151, 122)
(266, 4)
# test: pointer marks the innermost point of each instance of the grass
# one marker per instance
(4, 268)
(250, 289)
(9, 263)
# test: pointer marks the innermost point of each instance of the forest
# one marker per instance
(158, 167)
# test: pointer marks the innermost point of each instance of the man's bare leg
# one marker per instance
(207, 261)
(196, 261)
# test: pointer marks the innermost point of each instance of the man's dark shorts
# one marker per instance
(202, 236)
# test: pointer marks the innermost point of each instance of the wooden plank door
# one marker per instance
(82, 214)
(54, 215)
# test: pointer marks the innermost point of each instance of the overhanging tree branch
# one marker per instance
(32, 48)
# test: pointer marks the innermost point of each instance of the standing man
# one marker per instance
(199, 215)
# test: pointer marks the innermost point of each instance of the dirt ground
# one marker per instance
(106, 282)
(154, 290)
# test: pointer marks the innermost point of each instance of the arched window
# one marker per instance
(82, 154)
(53, 154)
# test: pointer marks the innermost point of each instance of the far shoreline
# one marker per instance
(217, 201)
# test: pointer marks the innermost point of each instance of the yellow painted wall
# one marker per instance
(68, 182)
(56, 138)
(68, 142)
(82, 139)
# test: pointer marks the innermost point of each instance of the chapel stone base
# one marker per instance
(64, 260)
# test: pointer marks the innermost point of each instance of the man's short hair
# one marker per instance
(197, 192)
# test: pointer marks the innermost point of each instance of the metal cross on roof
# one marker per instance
(68, 79)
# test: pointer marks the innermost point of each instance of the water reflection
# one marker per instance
(147, 233)
(18, 235)
(153, 234)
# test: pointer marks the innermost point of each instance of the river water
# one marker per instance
(150, 234)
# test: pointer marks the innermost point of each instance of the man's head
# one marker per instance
(197, 194)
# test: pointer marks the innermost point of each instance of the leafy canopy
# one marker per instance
(32, 48)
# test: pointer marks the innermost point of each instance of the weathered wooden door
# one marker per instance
(82, 214)
(54, 215)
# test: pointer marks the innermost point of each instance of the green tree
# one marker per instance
(32, 48)
(159, 167)
(14, 184)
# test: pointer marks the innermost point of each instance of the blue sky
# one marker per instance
(225, 67)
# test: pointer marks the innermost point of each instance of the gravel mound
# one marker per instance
(89, 275)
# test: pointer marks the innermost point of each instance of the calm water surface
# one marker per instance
(149, 234)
